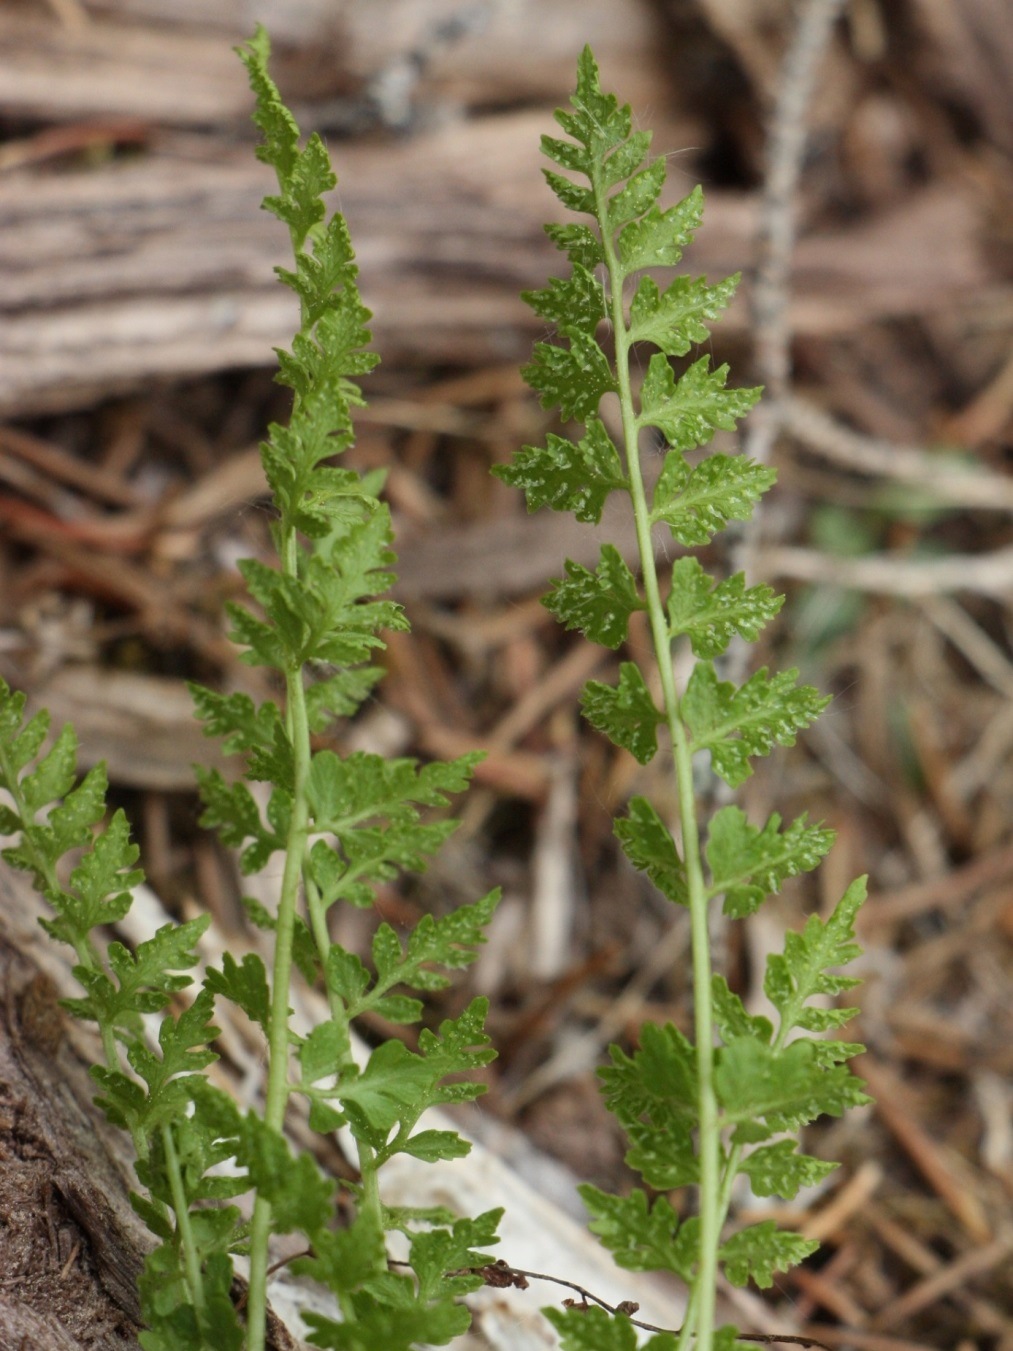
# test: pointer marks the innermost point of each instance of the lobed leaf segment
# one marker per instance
(341, 826)
(698, 1114)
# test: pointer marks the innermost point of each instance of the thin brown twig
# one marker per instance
(936, 1163)
(972, 642)
(951, 893)
(955, 1277)
(501, 1276)
(786, 140)
(63, 467)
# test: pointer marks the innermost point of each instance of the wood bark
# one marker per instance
(70, 1246)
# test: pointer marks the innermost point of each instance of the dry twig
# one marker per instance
(786, 147)
(955, 485)
(988, 574)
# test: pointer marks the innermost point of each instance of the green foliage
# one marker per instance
(779, 1170)
(643, 1235)
(749, 864)
(626, 712)
(322, 610)
(647, 843)
(711, 614)
(737, 724)
(599, 603)
(756, 1253)
(154, 1091)
(802, 972)
(395, 1311)
(592, 1329)
(566, 475)
(692, 1114)
(316, 618)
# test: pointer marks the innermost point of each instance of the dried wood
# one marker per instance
(909, 120)
(931, 1159)
(69, 1233)
(290, 20)
(142, 726)
(952, 892)
(779, 206)
(386, 62)
(54, 72)
(955, 1277)
(164, 268)
(483, 55)
(952, 482)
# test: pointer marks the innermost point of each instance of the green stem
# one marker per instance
(278, 1028)
(370, 1204)
(729, 1174)
(295, 854)
(184, 1229)
(709, 1143)
(369, 1201)
(689, 1317)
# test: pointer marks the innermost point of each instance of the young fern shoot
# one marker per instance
(341, 826)
(693, 1114)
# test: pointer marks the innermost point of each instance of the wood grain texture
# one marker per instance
(163, 268)
(68, 1233)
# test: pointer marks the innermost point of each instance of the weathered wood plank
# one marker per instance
(57, 73)
(174, 65)
(163, 268)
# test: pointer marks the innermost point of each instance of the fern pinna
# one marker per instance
(700, 1114)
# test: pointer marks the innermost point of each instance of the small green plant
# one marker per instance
(694, 1115)
(340, 825)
